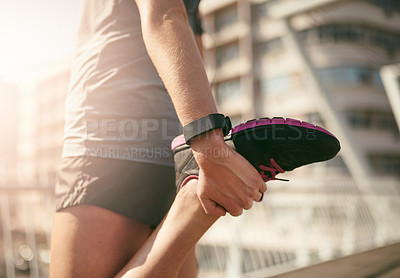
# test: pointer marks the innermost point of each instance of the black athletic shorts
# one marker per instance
(141, 191)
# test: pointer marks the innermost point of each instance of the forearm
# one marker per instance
(168, 246)
(173, 50)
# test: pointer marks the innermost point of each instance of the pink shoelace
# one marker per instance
(268, 173)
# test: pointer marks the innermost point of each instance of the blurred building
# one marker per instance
(41, 123)
(318, 61)
(256, 70)
(8, 128)
(32, 123)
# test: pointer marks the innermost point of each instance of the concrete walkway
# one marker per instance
(382, 262)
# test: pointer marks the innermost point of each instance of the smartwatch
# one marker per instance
(205, 124)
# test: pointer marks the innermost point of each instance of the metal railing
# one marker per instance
(299, 223)
(26, 221)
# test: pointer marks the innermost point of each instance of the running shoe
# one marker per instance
(272, 146)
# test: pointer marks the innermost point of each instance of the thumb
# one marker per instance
(212, 208)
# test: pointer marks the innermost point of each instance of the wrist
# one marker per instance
(205, 125)
(210, 139)
(209, 147)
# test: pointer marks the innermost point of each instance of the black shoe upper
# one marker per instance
(288, 145)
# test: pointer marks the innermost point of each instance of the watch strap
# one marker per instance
(205, 124)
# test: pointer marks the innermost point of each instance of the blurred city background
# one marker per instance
(334, 63)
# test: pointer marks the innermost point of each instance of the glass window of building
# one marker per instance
(340, 74)
(353, 33)
(276, 85)
(228, 90)
(378, 120)
(281, 84)
(359, 119)
(261, 10)
(271, 46)
(227, 53)
(344, 32)
(385, 163)
(391, 42)
(351, 75)
(389, 6)
(364, 75)
(226, 17)
(326, 33)
(385, 121)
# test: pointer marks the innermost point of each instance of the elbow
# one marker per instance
(175, 14)
(158, 18)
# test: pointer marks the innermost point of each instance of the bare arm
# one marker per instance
(229, 180)
(172, 48)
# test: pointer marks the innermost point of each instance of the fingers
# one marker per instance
(258, 193)
(233, 201)
(263, 187)
(211, 207)
(260, 197)
(228, 189)
(227, 205)
(236, 213)
(220, 210)
(258, 183)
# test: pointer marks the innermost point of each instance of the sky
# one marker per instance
(35, 32)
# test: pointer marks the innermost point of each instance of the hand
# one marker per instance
(227, 181)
